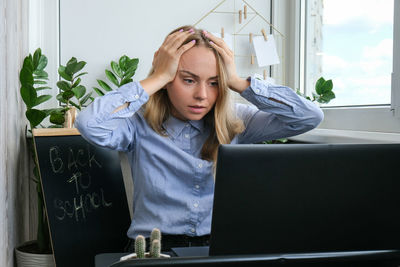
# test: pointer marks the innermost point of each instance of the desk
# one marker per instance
(387, 258)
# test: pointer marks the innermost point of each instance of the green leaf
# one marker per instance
(25, 77)
(76, 83)
(116, 69)
(326, 87)
(125, 81)
(112, 77)
(130, 72)
(42, 88)
(75, 67)
(63, 85)
(28, 65)
(86, 98)
(60, 98)
(40, 73)
(319, 84)
(29, 95)
(104, 85)
(42, 62)
(35, 117)
(80, 74)
(79, 91)
(53, 110)
(57, 118)
(41, 99)
(122, 62)
(71, 61)
(326, 98)
(67, 95)
(75, 105)
(36, 57)
(98, 91)
(66, 76)
(132, 63)
(39, 82)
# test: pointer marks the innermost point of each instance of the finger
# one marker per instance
(219, 41)
(185, 47)
(225, 54)
(177, 41)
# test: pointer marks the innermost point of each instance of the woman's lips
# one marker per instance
(196, 109)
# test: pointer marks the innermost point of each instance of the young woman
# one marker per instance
(172, 122)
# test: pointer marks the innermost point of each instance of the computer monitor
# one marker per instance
(306, 198)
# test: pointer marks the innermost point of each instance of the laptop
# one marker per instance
(306, 198)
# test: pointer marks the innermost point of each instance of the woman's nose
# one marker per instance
(201, 91)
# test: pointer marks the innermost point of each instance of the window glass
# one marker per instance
(350, 42)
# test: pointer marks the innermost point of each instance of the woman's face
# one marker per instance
(194, 90)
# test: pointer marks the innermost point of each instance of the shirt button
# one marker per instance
(200, 165)
(197, 186)
(193, 230)
(187, 125)
(258, 91)
(195, 205)
(136, 96)
(187, 136)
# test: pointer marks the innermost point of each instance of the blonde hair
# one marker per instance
(223, 123)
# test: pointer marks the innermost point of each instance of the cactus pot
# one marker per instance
(146, 255)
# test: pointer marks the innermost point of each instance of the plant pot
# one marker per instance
(70, 116)
(26, 258)
(146, 256)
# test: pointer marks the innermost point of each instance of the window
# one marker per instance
(362, 103)
(350, 42)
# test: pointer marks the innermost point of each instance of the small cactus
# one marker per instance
(155, 235)
(155, 248)
(140, 246)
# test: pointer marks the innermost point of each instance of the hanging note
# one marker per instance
(266, 52)
(228, 38)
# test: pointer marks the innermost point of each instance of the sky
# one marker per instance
(357, 50)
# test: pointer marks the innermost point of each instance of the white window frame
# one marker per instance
(369, 123)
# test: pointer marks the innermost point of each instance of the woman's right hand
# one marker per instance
(166, 60)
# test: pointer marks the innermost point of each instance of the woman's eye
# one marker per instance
(188, 81)
(214, 83)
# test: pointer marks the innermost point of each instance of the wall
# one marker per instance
(14, 160)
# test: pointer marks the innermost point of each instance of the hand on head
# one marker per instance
(166, 58)
(233, 80)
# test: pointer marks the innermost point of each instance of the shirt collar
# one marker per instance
(175, 126)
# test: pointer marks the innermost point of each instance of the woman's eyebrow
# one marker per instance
(197, 76)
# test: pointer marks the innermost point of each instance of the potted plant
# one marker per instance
(140, 247)
(120, 74)
(33, 79)
(72, 93)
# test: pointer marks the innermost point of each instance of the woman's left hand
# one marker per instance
(234, 81)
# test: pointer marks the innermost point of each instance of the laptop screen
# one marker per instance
(301, 198)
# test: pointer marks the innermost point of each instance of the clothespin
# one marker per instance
(222, 32)
(250, 37)
(264, 34)
(265, 74)
(245, 11)
(252, 59)
(240, 16)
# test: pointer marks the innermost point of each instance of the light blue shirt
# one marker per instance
(173, 186)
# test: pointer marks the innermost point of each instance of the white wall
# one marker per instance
(98, 31)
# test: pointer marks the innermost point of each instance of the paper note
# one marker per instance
(228, 38)
(265, 51)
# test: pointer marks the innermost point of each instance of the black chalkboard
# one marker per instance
(84, 195)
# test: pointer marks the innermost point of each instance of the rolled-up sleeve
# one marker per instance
(269, 119)
(99, 124)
